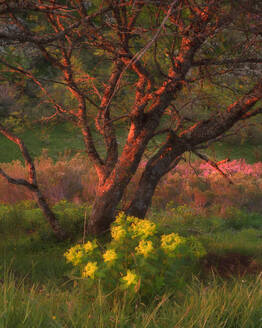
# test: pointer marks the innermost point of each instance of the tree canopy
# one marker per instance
(185, 70)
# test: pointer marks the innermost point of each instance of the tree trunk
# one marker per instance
(143, 195)
(110, 192)
(104, 208)
(49, 215)
(150, 178)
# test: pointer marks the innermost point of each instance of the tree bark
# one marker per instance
(144, 193)
(49, 215)
(155, 169)
(104, 209)
(168, 156)
(111, 189)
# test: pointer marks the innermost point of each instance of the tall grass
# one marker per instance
(234, 304)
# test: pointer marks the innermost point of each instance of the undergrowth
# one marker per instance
(198, 185)
(221, 288)
(38, 288)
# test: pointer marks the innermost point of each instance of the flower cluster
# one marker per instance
(110, 255)
(145, 248)
(130, 278)
(90, 246)
(142, 228)
(170, 242)
(137, 257)
(89, 270)
(118, 233)
(120, 219)
(75, 254)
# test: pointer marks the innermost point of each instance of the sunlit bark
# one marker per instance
(115, 28)
(168, 156)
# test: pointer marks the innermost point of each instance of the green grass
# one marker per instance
(63, 138)
(250, 152)
(230, 304)
(36, 291)
(56, 138)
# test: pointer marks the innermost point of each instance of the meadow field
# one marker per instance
(113, 108)
(217, 284)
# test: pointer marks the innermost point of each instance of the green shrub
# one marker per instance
(138, 258)
(25, 217)
(240, 219)
(10, 219)
(72, 216)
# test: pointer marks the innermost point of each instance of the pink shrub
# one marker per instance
(202, 187)
(235, 166)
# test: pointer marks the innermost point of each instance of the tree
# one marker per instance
(132, 64)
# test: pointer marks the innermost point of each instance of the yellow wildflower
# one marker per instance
(143, 228)
(130, 278)
(75, 254)
(170, 242)
(110, 255)
(132, 219)
(118, 233)
(120, 218)
(89, 270)
(145, 247)
(90, 246)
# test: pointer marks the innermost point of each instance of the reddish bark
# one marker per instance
(204, 131)
(111, 30)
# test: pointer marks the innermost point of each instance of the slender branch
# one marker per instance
(218, 124)
(32, 184)
(28, 160)
(34, 38)
(213, 164)
(117, 119)
(205, 62)
(29, 75)
(134, 60)
(21, 182)
(252, 113)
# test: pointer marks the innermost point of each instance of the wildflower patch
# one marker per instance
(138, 258)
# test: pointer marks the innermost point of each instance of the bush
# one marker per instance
(26, 217)
(240, 219)
(74, 180)
(137, 259)
(72, 217)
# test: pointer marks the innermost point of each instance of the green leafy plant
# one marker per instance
(137, 259)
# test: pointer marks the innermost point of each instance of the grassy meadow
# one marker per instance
(63, 138)
(222, 288)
